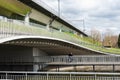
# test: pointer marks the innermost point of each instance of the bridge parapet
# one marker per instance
(12, 28)
(83, 59)
(56, 60)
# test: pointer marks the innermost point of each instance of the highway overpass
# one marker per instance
(29, 29)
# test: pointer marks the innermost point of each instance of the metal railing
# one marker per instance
(103, 59)
(83, 59)
(58, 76)
(11, 28)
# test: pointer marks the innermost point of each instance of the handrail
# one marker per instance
(32, 29)
(84, 73)
(9, 28)
(58, 76)
(64, 59)
(84, 59)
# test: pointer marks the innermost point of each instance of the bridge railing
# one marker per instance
(11, 28)
(84, 59)
(58, 76)
(64, 59)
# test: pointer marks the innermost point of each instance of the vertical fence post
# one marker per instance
(6, 76)
(47, 76)
(95, 77)
(70, 76)
(26, 76)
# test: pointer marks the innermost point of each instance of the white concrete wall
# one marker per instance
(38, 54)
(39, 16)
(45, 19)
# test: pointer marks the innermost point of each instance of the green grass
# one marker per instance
(85, 41)
(14, 6)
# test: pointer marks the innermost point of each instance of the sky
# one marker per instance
(103, 15)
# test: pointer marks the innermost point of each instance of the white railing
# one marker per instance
(66, 59)
(12, 28)
(9, 27)
(83, 59)
(58, 76)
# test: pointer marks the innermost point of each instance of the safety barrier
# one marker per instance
(58, 76)
(12, 28)
(83, 59)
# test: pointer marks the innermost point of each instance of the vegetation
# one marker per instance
(29, 30)
(14, 6)
(119, 41)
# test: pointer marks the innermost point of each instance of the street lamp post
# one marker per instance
(83, 25)
(59, 8)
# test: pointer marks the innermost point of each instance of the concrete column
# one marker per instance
(36, 54)
(75, 32)
(35, 67)
(60, 30)
(81, 36)
(48, 27)
(5, 19)
(27, 18)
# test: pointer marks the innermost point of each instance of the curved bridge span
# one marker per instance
(48, 44)
(17, 33)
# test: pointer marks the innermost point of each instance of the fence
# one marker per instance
(12, 28)
(58, 76)
(84, 59)
(107, 59)
(9, 28)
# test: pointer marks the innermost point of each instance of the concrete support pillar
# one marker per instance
(37, 53)
(60, 30)
(81, 36)
(27, 18)
(48, 27)
(35, 67)
(75, 32)
(5, 19)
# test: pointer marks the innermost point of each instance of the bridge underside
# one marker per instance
(51, 47)
(24, 51)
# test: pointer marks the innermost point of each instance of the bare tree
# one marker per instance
(110, 40)
(96, 35)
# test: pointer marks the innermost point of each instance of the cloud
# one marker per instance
(102, 14)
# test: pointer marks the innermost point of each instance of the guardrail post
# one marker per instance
(6, 76)
(26, 76)
(95, 78)
(47, 76)
(70, 76)
(113, 68)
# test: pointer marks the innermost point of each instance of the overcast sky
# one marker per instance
(98, 14)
